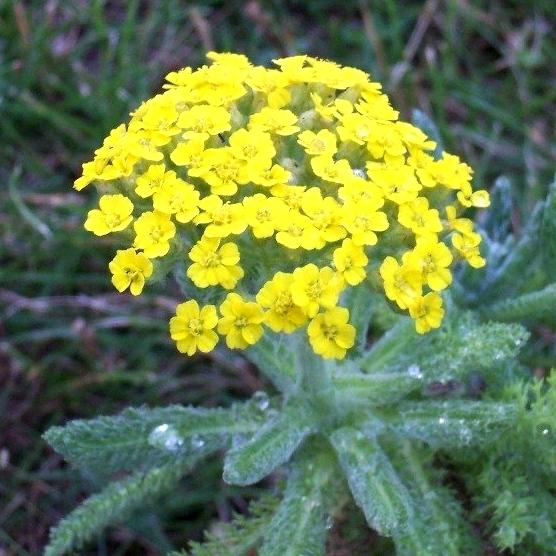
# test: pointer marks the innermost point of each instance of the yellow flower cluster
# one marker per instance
(281, 188)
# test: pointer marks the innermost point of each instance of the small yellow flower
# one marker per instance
(297, 231)
(336, 171)
(350, 261)
(419, 218)
(385, 141)
(427, 312)
(467, 245)
(264, 213)
(222, 170)
(140, 145)
(223, 219)
(154, 230)
(330, 334)
(113, 215)
(322, 143)
(254, 147)
(463, 225)
(214, 264)
(192, 328)
(362, 220)
(274, 120)
(241, 321)
(276, 175)
(398, 183)
(433, 259)
(469, 198)
(325, 215)
(283, 315)
(190, 152)
(205, 119)
(314, 287)
(129, 270)
(402, 283)
(154, 179)
(179, 198)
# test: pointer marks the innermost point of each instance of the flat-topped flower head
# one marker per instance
(281, 189)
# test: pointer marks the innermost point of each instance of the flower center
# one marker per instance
(329, 331)
(314, 289)
(283, 303)
(212, 261)
(195, 327)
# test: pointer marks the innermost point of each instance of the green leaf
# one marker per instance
(505, 279)
(548, 232)
(239, 536)
(518, 505)
(462, 345)
(374, 483)
(452, 423)
(439, 511)
(376, 388)
(140, 438)
(299, 526)
(390, 346)
(116, 502)
(530, 307)
(498, 217)
(270, 447)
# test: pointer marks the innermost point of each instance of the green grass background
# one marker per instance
(70, 346)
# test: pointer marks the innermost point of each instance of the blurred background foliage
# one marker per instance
(483, 70)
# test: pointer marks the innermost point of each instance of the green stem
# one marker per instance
(315, 379)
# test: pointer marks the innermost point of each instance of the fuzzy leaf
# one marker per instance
(374, 483)
(452, 423)
(518, 505)
(439, 511)
(535, 306)
(270, 447)
(238, 537)
(548, 232)
(377, 388)
(390, 346)
(497, 219)
(506, 279)
(461, 346)
(116, 502)
(299, 524)
(140, 438)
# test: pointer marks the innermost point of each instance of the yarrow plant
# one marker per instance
(295, 210)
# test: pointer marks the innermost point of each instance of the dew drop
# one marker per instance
(165, 437)
(197, 442)
(414, 371)
(261, 400)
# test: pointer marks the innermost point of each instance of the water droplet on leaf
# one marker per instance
(165, 437)
(197, 442)
(414, 371)
(261, 400)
